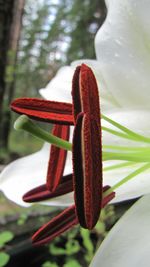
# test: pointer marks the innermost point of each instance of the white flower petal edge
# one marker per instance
(59, 88)
(27, 173)
(123, 51)
(24, 174)
(128, 243)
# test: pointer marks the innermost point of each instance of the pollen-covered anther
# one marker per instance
(87, 170)
(41, 193)
(85, 93)
(57, 158)
(59, 224)
(44, 110)
(62, 222)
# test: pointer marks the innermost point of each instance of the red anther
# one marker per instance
(41, 193)
(59, 224)
(87, 170)
(44, 110)
(57, 158)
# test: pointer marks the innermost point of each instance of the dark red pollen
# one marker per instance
(59, 224)
(87, 170)
(76, 93)
(62, 222)
(44, 110)
(41, 193)
(57, 158)
(85, 93)
(87, 147)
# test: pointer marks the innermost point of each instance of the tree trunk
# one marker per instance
(5, 22)
(11, 12)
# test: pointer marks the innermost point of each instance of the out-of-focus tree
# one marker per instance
(85, 18)
(40, 52)
(10, 25)
(54, 34)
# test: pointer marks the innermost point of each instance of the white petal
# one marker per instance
(123, 50)
(24, 174)
(28, 172)
(59, 88)
(62, 201)
(128, 243)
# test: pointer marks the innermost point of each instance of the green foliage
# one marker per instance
(87, 242)
(9, 76)
(71, 263)
(5, 237)
(22, 219)
(4, 258)
(49, 264)
(71, 247)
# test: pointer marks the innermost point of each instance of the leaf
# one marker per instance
(71, 247)
(5, 237)
(72, 263)
(22, 219)
(87, 244)
(4, 258)
(49, 264)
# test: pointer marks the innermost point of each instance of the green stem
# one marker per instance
(135, 157)
(127, 178)
(24, 123)
(122, 135)
(133, 135)
(126, 148)
(117, 166)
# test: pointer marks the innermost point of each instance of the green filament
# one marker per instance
(24, 123)
(129, 134)
(129, 155)
(135, 154)
(131, 175)
(119, 165)
(127, 178)
(135, 157)
(126, 148)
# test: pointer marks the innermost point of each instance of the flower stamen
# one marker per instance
(57, 158)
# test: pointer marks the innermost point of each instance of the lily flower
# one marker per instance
(122, 70)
